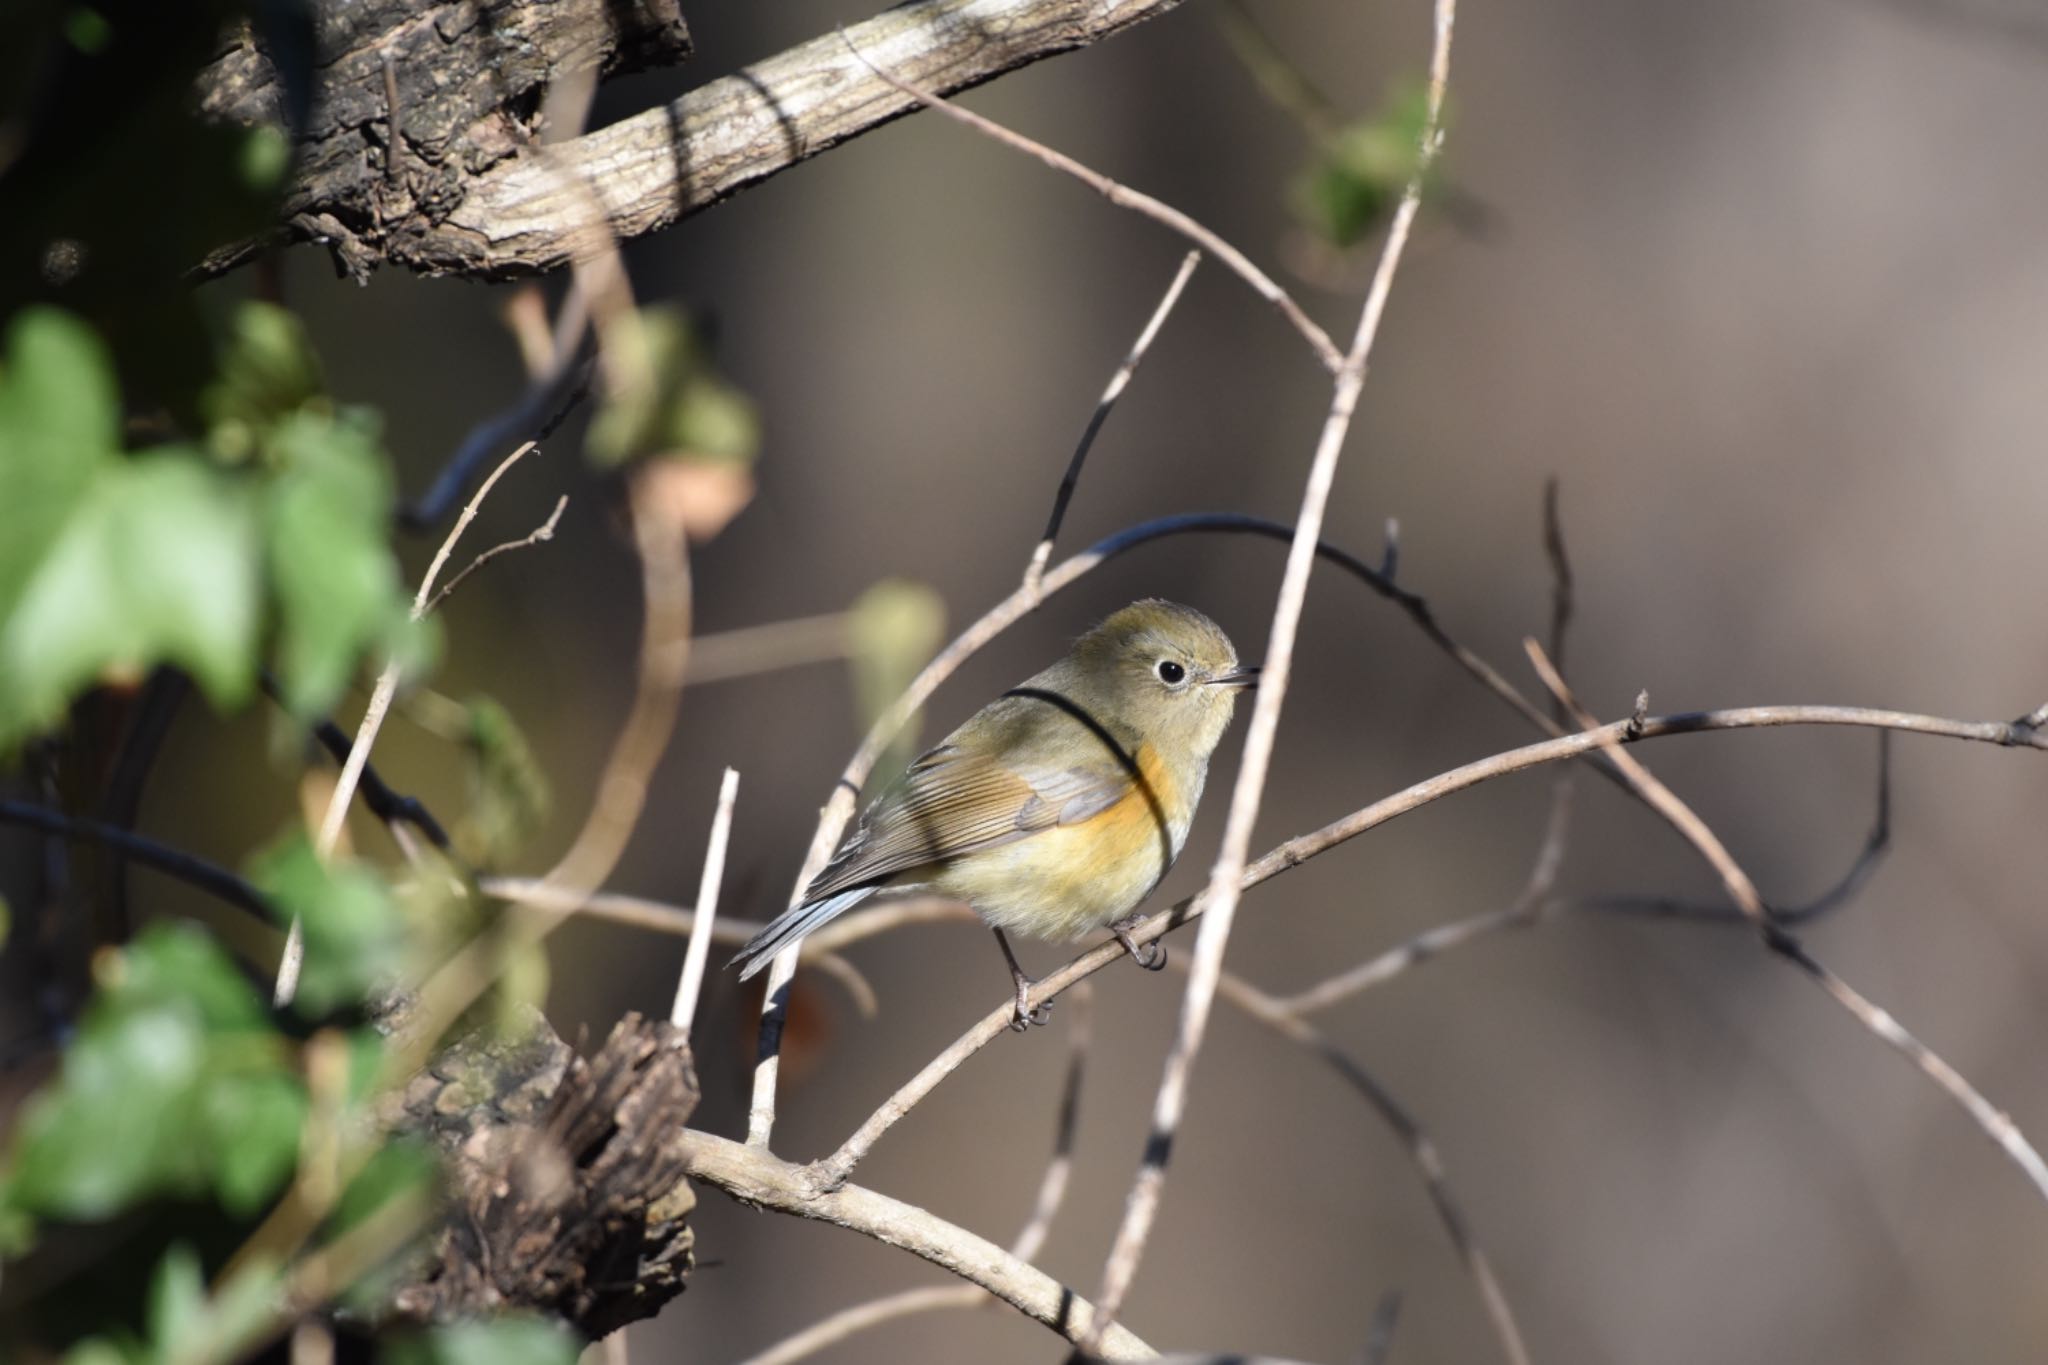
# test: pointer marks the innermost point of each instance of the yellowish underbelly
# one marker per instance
(1069, 880)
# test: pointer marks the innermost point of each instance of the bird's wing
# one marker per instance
(956, 801)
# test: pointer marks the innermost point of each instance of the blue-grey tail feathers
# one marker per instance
(791, 925)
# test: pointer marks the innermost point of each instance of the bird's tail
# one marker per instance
(791, 925)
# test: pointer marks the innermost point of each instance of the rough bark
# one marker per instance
(566, 1194)
(467, 76)
(470, 194)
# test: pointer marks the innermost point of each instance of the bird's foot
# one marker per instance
(1027, 1014)
(1150, 956)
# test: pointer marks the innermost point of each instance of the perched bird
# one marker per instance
(1058, 806)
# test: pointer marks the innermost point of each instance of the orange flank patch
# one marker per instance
(1066, 881)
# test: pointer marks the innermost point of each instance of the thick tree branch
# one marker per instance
(483, 208)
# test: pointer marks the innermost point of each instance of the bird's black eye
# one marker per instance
(1171, 673)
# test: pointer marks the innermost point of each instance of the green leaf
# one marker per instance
(326, 525)
(177, 1303)
(6, 922)
(185, 1324)
(136, 1110)
(268, 372)
(354, 934)
(670, 402)
(497, 1341)
(155, 564)
(1362, 169)
(100, 1351)
(252, 1126)
(509, 793)
(59, 424)
(893, 630)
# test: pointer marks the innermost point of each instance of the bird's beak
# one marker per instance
(1245, 678)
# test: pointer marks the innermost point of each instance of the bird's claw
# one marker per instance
(1028, 1015)
(1150, 956)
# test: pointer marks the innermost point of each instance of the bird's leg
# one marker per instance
(1026, 1015)
(1150, 956)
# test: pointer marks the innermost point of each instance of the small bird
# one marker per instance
(1056, 808)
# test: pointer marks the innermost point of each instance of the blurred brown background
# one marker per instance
(1765, 286)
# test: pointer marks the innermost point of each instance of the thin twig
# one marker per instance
(757, 1177)
(1996, 1124)
(830, 1331)
(1379, 1338)
(1422, 1153)
(621, 787)
(535, 417)
(663, 918)
(1123, 196)
(1423, 946)
(838, 809)
(1562, 594)
(1118, 382)
(750, 650)
(1227, 877)
(1052, 1188)
(329, 833)
(544, 531)
(1298, 850)
(699, 951)
(211, 878)
(1845, 888)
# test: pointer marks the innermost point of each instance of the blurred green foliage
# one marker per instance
(355, 936)
(1361, 169)
(667, 400)
(502, 1341)
(893, 630)
(176, 1084)
(112, 563)
(509, 793)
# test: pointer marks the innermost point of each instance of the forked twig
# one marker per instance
(1995, 1123)
(1227, 877)
(1123, 196)
(1118, 382)
(1298, 850)
(1422, 1153)
(329, 834)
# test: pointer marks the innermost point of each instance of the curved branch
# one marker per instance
(666, 163)
(754, 1177)
(1296, 851)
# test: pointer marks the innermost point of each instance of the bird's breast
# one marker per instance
(1065, 881)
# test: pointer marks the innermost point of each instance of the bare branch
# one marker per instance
(1118, 382)
(544, 531)
(1996, 1125)
(663, 918)
(1852, 881)
(1379, 1339)
(756, 1177)
(666, 163)
(1296, 851)
(1125, 197)
(762, 649)
(1525, 910)
(329, 834)
(829, 1332)
(1422, 1153)
(1227, 877)
(188, 868)
(1052, 1189)
(692, 978)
